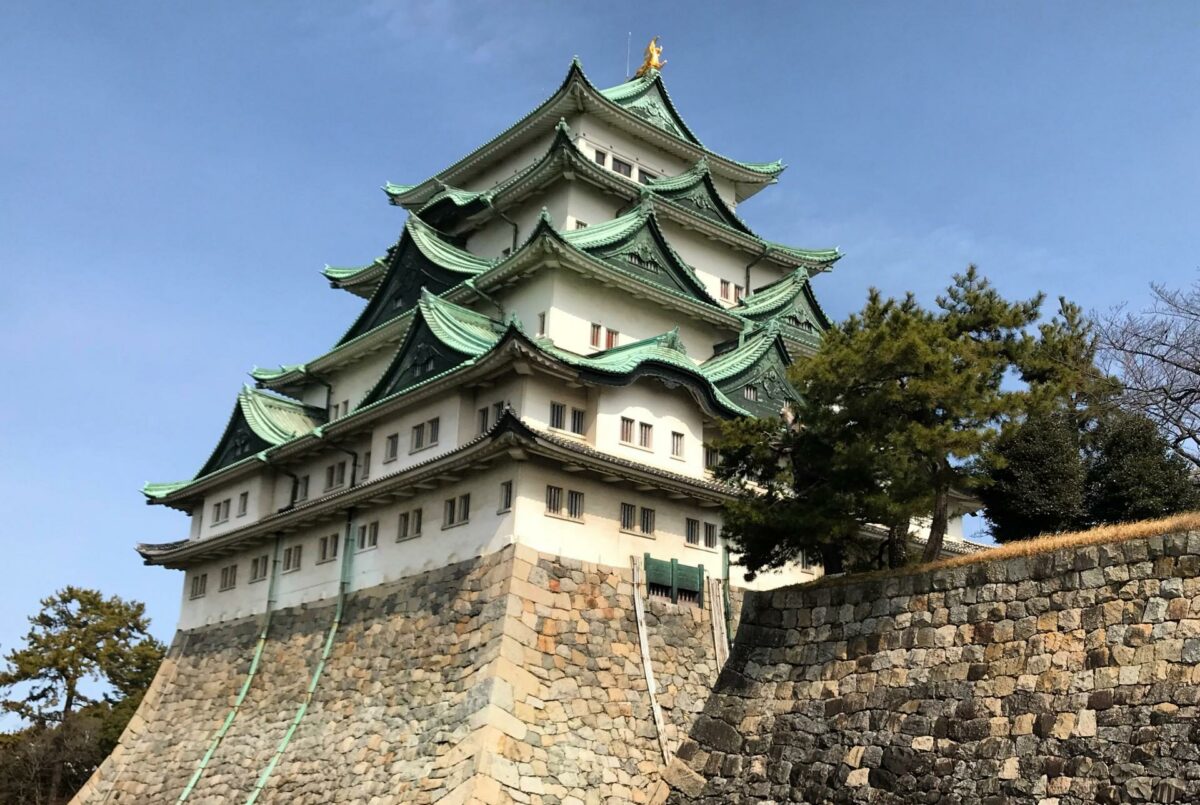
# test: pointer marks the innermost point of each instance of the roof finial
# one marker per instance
(652, 61)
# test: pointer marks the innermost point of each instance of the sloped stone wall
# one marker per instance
(515, 677)
(1062, 678)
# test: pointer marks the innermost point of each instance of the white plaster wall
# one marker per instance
(668, 410)
(599, 537)
(353, 382)
(714, 261)
(592, 133)
(494, 237)
(448, 409)
(490, 175)
(258, 486)
(487, 530)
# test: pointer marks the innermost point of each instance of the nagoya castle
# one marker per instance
(473, 552)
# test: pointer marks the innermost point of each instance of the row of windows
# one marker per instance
(737, 294)
(558, 418)
(622, 167)
(645, 436)
(221, 508)
(611, 337)
(424, 434)
(692, 533)
(554, 503)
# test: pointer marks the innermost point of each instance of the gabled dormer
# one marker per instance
(421, 261)
(753, 371)
(442, 336)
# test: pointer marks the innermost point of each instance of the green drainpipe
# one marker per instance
(725, 592)
(343, 588)
(223, 730)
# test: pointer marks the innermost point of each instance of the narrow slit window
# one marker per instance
(627, 430)
(199, 585)
(724, 289)
(611, 339)
(558, 415)
(574, 504)
(676, 444)
(710, 535)
(391, 447)
(645, 435)
(595, 337)
(484, 422)
(647, 520)
(228, 577)
(541, 330)
(692, 534)
(505, 496)
(577, 421)
(750, 392)
(628, 516)
(243, 504)
(554, 500)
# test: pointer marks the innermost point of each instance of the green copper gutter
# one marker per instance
(223, 730)
(326, 652)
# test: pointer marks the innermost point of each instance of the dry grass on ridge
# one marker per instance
(1117, 532)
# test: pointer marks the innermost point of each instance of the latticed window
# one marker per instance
(228, 577)
(595, 338)
(692, 533)
(368, 535)
(676, 444)
(645, 435)
(391, 447)
(724, 289)
(558, 415)
(291, 558)
(506, 496)
(611, 338)
(243, 504)
(750, 392)
(574, 504)
(199, 585)
(409, 526)
(554, 499)
(258, 567)
(628, 516)
(577, 421)
(647, 520)
(710, 535)
(626, 429)
(327, 547)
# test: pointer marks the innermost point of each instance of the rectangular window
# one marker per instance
(228, 577)
(409, 526)
(622, 167)
(645, 435)
(599, 156)
(457, 511)
(750, 392)
(259, 567)
(199, 585)
(577, 423)
(647, 520)
(558, 415)
(335, 475)
(645, 177)
(692, 534)
(366, 465)
(738, 290)
(418, 438)
(505, 496)
(221, 511)
(554, 500)
(302, 488)
(243, 504)
(611, 338)
(291, 558)
(676, 444)
(712, 457)
(710, 535)
(434, 427)
(328, 547)
(580, 224)
(627, 430)
(628, 516)
(595, 338)
(574, 504)
(541, 324)
(497, 411)
(724, 289)
(391, 447)
(484, 419)
(368, 535)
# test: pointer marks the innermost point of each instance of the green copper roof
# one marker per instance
(747, 353)
(459, 328)
(267, 375)
(644, 100)
(275, 419)
(780, 299)
(161, 490)
(342, 274)
(441, 252)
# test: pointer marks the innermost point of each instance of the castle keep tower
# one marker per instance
(541, 359)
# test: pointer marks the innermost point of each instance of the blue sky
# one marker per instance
(173, 177)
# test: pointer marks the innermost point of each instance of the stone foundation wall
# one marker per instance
(1063, 678)
(515, 677)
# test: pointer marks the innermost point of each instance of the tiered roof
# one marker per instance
(418, 293)
(641, 106)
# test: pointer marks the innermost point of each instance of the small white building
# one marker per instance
(569, 312)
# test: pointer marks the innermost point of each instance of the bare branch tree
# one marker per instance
(1156, 355)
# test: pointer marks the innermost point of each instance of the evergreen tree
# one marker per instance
(78, 637)
(1132, 473)
(1035, 478)
(897, 403)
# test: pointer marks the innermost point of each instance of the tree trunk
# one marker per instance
(897, 545)
(937, 526)
(56, 769)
